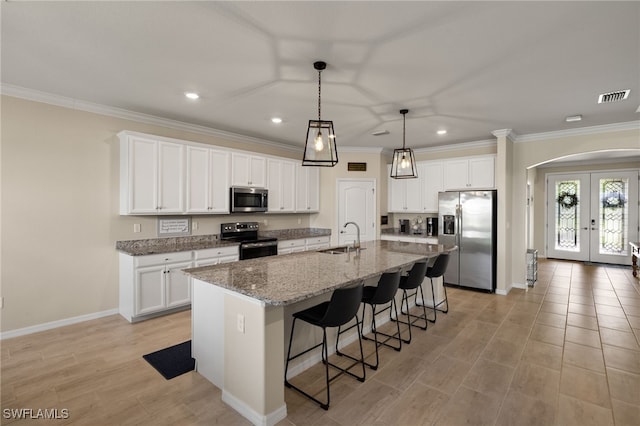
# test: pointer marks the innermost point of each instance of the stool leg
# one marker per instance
(286, 368)
(406, 299)
(364, 373)
(325, 356)
(433, 298)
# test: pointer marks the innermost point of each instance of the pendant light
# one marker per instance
(320, 147)
(404, 163)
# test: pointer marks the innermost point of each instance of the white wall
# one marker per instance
(531, 153)
(60, 222)
(60, 218)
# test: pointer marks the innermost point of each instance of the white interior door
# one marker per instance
(356, 203)
(592, 216)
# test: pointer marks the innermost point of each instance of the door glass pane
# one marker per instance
(614, 216)
(567, 215)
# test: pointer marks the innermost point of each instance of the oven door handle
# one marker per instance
(258, 245)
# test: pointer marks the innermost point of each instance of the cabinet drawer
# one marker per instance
(291, 243)
(159, 259)
(215, 252)
(318, 240)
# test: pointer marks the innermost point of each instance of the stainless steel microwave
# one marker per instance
(245, 200)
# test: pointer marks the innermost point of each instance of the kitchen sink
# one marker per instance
(339, 250)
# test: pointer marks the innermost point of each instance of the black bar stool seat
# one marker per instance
(384, 293)
(374, 296)
(412, 282)
(340, 310)
(436, 271)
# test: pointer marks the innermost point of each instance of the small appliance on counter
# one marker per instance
(432, 226)
(405, 226)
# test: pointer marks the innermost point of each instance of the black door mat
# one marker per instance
(172, 361)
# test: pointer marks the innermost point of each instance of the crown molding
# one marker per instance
(605, 128)
(365, 149)
(505, 133)
(66, 102)
(458, 146)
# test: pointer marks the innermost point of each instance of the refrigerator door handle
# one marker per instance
(458, 223)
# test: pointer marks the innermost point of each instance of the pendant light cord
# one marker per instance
(319, 93)
(404, 128)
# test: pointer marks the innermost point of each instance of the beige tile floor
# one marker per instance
(562, 353)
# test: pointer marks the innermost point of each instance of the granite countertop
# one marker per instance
(283, 280)
(294, 234)
(170, 245)
(200, 242)
(396, 233)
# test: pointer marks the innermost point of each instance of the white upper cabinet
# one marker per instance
(469, 173)
(430, 172)
(281, 185)
(307, 189)
(482, 172)
(151, 176)
(405, 195)
(207, 180)
(248, 170)
(161, 175)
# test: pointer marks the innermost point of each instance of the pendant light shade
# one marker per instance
(320, 146)
(404, 162)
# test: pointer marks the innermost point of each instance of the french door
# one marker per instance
(592, 216)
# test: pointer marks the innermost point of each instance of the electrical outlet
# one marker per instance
(299, 221)
(194, 225)
(241, 323)
(1, 302)
(136, 227)
(266, 222)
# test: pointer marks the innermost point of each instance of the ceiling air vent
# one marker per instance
(620, 95)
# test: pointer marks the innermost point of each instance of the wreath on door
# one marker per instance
(567, 200)
(613, 200)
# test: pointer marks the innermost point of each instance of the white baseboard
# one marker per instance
(250, 414)
(55, 324)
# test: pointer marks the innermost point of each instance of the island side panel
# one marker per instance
(207, 331)
(253, 348)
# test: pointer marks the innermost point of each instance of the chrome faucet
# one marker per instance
(356, 245)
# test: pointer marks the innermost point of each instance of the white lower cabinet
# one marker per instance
(150, 285)
(410, 239)
(154, 283)
(215, 256)
(292, 246)
(318, 243)
(304, 244)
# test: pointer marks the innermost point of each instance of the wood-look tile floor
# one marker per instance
(562, 353)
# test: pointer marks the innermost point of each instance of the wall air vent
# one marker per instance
(620, 95)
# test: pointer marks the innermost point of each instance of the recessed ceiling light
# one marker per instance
(572, 118)
(276, 120)
(442, 132)
(192, 95)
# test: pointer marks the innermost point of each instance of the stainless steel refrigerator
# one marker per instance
(468, 220)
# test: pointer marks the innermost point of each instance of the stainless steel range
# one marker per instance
(246, 233)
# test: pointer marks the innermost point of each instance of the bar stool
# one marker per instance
(410, 282)
(375, 296)
(436, 271)
(341, 309)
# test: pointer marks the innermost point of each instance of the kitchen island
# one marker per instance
(241, 314)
